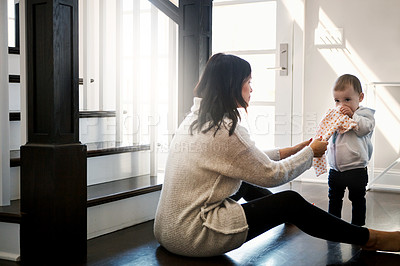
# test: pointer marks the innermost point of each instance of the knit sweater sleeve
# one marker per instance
(273, 154)
(254, 166)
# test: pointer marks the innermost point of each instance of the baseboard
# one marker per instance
(374, 187)
(312, 180)
(310, 177)
(9, 256)
(385, 188)
(390, 182)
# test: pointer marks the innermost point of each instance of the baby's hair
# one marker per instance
(348, 79)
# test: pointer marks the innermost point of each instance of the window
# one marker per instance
(248, 29)
(13, 23)
(128, 63)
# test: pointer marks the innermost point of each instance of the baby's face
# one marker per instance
(348, 97)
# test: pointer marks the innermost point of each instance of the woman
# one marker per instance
(210, 156)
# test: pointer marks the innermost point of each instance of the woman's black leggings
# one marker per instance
(289, 207)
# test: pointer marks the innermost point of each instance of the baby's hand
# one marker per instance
(346, 111)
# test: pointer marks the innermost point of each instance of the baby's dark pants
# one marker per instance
(356, 181)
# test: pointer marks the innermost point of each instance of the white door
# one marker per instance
(255, 31)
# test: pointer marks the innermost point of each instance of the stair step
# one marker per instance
(16, 116)
(98, 194)
(112, 147)
(15, 159)
(121, 189)
(93, 149)
(12, 213)
(14, 78)
(92, 114)
(13, 50)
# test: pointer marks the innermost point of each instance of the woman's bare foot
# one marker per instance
(382, 240)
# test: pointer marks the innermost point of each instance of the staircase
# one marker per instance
(120, 191)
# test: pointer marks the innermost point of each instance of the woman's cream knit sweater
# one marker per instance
(195, 216)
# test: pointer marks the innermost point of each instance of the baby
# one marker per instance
(349, 153)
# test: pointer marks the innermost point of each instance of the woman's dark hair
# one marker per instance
(220, 88)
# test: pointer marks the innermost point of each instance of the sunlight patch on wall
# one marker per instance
(343, 58)
(338, 52)
(329, 37)
(387, 116)
(296, 10)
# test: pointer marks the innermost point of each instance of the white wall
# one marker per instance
(370, 50)
(4, 110)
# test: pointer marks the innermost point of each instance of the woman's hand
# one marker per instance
(301, 145)
(319, 147)
(286, 152)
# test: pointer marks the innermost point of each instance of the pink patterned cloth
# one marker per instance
(333, 121)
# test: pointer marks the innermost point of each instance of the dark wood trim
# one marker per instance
(123, 195)
(111, 147)
(10, 218)
(194, 49)
(17, 25)
(53, 161)
(15, 158)
(15, 116)
(53, 202)
(122, 186)
(14, 78)
(94, 149)
(97, 195)
(11, 213)
(92, 114)
(168, 9)
(16, 162)
(13, 50)
(52, 76)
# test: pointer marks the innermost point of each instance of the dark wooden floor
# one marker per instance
(283, 245)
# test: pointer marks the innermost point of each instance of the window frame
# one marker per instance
(15, 49)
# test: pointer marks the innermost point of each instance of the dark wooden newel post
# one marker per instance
(194, 48)
(53, 161)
